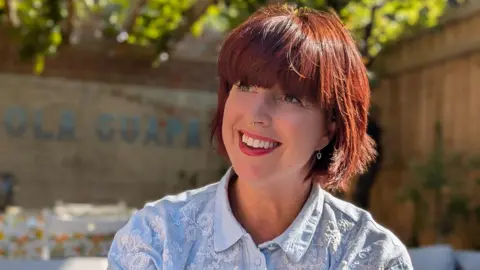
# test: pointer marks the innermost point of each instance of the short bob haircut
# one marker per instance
(311, 55)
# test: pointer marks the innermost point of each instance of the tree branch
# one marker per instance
(367, 34)
(336, 5)
(132, 15)
(68, 27)
(190, 16)
(11, 13)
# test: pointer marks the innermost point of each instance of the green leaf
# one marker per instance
(39, 64)
(458, 207)
(152, 32)
(213, 10)
(197, 28)
(56, 38)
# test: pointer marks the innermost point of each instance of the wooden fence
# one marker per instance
(432, 76)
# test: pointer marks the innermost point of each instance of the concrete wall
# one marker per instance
(85, 141)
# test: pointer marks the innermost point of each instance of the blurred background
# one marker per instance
(106, 104)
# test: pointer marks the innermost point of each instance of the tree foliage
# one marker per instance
(42, 26)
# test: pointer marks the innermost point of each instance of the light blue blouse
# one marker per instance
(197, 230)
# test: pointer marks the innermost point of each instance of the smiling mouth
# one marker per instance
(258, 143)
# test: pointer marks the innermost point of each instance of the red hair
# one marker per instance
(311, 55)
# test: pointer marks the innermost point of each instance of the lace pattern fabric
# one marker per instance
(196, 230)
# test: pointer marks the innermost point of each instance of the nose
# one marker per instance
(260, 110)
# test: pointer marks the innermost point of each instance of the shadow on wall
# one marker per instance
(8, 185)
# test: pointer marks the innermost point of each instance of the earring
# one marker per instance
(319, 155)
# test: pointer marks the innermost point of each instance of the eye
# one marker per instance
(291, 99)
(243, 87)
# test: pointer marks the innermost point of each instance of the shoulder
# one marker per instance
(140, 243)
(361, 241)
(177, 203)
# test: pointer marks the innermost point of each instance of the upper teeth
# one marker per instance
(256, 143)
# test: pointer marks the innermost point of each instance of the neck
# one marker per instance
(267, 212)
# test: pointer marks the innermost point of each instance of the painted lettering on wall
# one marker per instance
(107, 127)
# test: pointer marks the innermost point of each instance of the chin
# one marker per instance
(255, 173)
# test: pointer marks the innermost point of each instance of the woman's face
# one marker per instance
(270, 135)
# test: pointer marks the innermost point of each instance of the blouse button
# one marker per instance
(258, 261)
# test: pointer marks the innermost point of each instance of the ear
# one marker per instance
(329, 133)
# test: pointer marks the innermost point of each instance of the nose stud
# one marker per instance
(252, 124)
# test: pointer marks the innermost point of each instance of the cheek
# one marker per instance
(230, 113)
(233, 107)
(302, 131)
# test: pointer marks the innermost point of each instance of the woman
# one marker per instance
(291, 118)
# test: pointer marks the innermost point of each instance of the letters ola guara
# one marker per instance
(148, 130)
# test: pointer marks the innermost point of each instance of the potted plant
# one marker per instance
(439, 187)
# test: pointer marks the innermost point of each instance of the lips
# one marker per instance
(255, 145)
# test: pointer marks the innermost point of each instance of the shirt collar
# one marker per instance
(226, 231)
(295, 241)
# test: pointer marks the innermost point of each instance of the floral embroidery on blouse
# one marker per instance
(196, 230)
